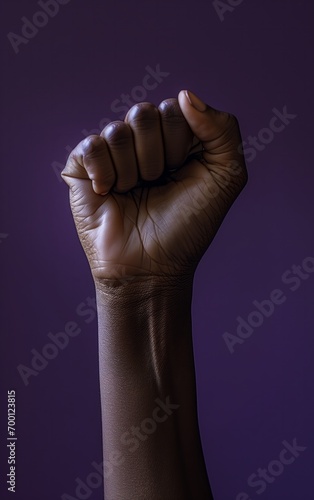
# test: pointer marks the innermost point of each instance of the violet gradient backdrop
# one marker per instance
(63, 81)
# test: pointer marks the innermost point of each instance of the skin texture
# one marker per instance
(147, 196)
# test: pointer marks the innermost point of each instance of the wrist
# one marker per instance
(133, 292)
(126, 283)
(145, 330)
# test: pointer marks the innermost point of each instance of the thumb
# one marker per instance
(218, 131)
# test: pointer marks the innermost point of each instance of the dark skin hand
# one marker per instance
(147, 196)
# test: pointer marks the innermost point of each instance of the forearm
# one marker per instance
(148, 394)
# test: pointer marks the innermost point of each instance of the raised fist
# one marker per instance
(149, 193)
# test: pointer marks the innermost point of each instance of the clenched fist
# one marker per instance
(149, 193)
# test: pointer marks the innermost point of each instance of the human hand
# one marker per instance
(144, 203)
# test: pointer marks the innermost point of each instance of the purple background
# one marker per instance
(63, 81)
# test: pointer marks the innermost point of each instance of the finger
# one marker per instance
(218, 131)
(177, 135)
(144, 120)
(91, 160)
(119, 138)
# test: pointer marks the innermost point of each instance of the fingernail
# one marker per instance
(195, 101)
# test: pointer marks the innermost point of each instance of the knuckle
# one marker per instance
(171, 112)
(170, 102)
(143, 112)
(117, 133)
(91, 144)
